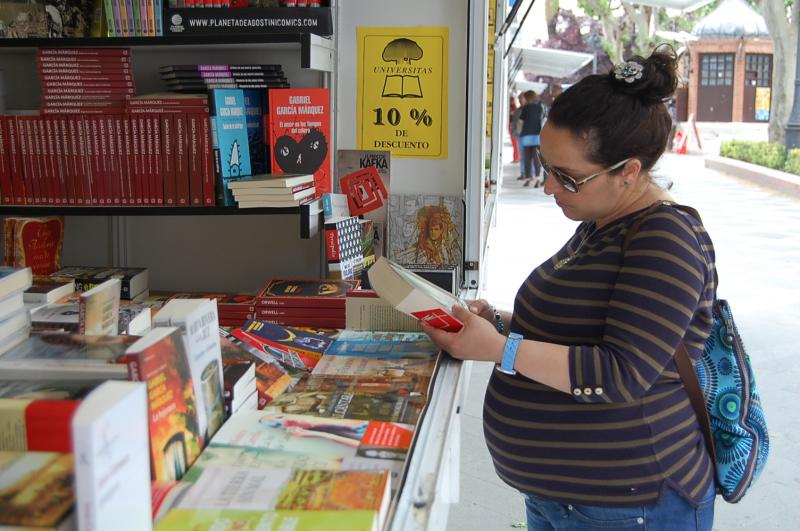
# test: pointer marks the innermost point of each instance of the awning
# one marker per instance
(683, 5)
(521, 84)
(547, 61)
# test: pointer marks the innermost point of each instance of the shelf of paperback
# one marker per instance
(46, 210)
(316, 53)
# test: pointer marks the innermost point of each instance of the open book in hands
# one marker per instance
(413, 295)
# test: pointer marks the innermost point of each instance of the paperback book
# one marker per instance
(317, 293)
(98, 309)
(36, 490)
(229, 143)
(34, 243)
(377, 344)
(307, 343)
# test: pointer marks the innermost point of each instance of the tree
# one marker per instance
(782, 22)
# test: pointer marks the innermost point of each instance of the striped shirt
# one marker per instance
(627, 429)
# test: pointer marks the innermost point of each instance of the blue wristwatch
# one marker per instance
(510, 353)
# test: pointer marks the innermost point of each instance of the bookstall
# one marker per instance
(412, 79)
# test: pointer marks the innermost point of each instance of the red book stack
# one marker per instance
(233, 309)
(304, 302)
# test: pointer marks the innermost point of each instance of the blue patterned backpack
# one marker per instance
(724, 396)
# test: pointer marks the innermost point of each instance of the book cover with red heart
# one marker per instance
(300, 133)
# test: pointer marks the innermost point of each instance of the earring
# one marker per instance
(625, 183)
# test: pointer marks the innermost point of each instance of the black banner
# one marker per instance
(248, 21)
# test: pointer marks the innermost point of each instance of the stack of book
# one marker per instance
(134, 280)
(134, 18)
(86, 80)
(15, 321)
(304, 302)
(202, 77)
(273, 191)
(234, 309)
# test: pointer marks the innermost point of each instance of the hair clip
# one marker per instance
(630, 71)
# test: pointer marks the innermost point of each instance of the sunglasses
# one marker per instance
(570, 183)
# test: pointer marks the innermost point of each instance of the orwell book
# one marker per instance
(229, 141)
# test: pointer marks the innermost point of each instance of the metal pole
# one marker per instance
(793, 124)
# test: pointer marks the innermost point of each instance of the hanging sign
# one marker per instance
(402, 90)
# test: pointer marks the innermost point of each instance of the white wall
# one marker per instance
(445, 176)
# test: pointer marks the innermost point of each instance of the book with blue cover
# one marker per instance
(255, 108)
(229, 140)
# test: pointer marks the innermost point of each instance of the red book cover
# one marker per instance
(84, 62)
(115, 166)
(121, 174)
(110, 83)
(6, 187)
(181, 160)
(24, 134)
(65, 157)
(60, 161)
(36, 243)
(300, 133)
(106, 157)
(322, 322)
(81, 110)
(83, 182)
(34, 153)
(48, 146)
(167, 158)
(209, 195)
(54, 151)
(144, 159)
(74, 155)
(279, 312)
(164, 110)
(169, 100)
(195, 160)
(48, 425)
(319, 293)
(137, 176)
(128, 185)
(83, 52)
(307, 343)
(15, 159)
(91, 125)
(154, 164)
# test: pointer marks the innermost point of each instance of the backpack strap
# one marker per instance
(683, 362)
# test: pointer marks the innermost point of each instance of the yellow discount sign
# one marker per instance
(402, 91)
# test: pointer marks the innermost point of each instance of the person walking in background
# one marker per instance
(513, 124)
(553, 92)
(531, 117)
(585, 413)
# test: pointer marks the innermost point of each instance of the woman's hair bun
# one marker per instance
(652, 79)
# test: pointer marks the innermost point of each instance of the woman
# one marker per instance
(513, 118)
(531, 116)
(595, 427)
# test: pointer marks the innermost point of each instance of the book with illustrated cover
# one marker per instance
(197, 319)
(361, 366)
(56, 355)
(23, 19)
(229, 140)
(386, 406)
(239, 488)
(36, 490)
(34, 243)
(271, 378)
(317, 293)
(425, 229)
(343, 247)
(183, 519)
(98, 309)
(112, 457)
(377, 344)
(364, 177)
(160, 360)
(134, 319)
(307, 343)
(415, 296)
(259, 439)
(289, 361)
(300, 133)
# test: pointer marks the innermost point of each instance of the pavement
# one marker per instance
(754, 229)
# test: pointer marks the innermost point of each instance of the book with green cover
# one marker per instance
(230, 520)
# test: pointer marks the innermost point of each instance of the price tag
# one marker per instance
(402, 90)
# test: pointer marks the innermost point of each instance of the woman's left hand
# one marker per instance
(478, 340)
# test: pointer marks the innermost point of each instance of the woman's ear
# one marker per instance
(630, 171)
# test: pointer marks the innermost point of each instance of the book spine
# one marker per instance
(82, 52)
(25, 159)
(95, 70)
(136, 13)
(168, 158)
(301, 302)
(91, 126)
(103, 94)
(65, 160)
(48, 425)
(136, 170)
(77, 61)
(298, 313)
(155, 160)
(159, 22)
(119, 176)
(128, 185)
(195, 162)
(151, 16)
(121, 82)
(331, 243)
(83, 184)
(6, 188)
(111, 23)
(36, 161)
(106, 160)
(147, 140)
(126, 6)
(60, 166)
(209, 193)
(181, 160)
(170, 102)
(15, 160)
(313, 322)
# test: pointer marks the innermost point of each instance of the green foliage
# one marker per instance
(762, 153)
(793, 161)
